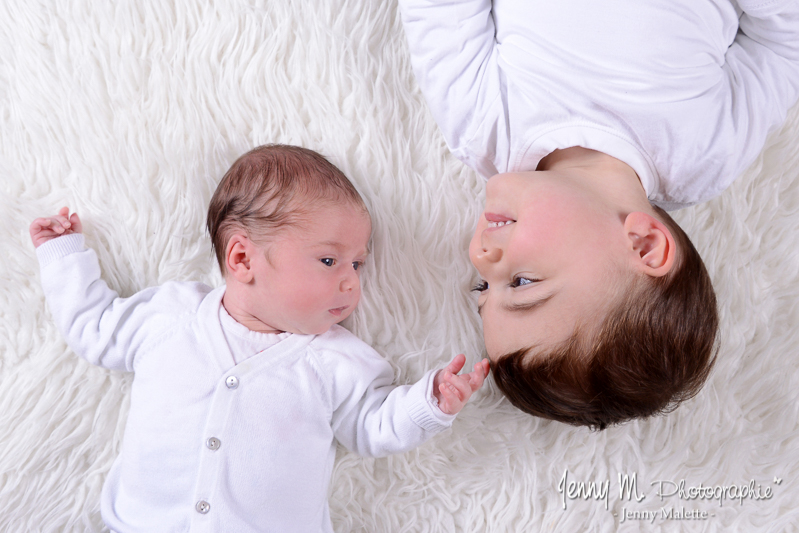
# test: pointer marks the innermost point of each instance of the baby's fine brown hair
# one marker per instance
(273, 187)
(652, 351)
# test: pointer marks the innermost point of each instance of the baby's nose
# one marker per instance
(349, 282)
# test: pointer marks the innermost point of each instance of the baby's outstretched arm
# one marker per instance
(46, 228)
(452, 390)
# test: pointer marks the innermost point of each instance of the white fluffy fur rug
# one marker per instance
(130, 112)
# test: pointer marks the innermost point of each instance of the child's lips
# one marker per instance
(496, 217)
(496, 220)
(338, 310)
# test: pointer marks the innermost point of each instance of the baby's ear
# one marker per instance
(238, 255)
(651, 245)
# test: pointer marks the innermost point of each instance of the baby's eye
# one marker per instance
(328, 261)
(518, 281)
(357, 264)
(481, 286)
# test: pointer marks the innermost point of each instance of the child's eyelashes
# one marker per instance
(519, 281)
(481, 286)
(329, 261)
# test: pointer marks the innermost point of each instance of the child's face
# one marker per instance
(311, 279)
(548, 253)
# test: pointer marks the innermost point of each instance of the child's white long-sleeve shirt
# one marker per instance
(211, 445)
(671, 87)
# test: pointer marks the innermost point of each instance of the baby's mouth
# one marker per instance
(338, 310)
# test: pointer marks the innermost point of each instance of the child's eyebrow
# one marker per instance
(334, 244)
(522, 307)
(337, 245)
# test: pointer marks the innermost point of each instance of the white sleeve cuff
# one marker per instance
(424, 410)
(59, 247)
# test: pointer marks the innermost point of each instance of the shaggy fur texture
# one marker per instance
(130, 112)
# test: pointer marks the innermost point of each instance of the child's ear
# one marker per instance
(238, 255)
(652, 246)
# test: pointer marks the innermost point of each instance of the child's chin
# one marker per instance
(321, 329)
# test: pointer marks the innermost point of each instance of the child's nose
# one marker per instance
(349, 282)
(491, 254)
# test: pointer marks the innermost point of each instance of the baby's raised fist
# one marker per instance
(46, 228)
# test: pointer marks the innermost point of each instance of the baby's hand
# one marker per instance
(47, 228)
(453, 391)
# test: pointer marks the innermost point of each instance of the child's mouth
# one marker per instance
(499, 224)
(338, 310)
(497, 221)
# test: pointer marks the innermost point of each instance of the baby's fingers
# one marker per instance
(450, 392)
(461, 384)
(44, 229)
(53, 224)
(77, 225)
(456, 364)
(477, 377)
(61, 223)
(451, 400)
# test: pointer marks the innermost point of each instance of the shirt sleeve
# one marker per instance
(97, 324)
(762, 66)
(369, 414)
(454, 57)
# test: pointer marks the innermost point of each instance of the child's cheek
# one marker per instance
(475, 244)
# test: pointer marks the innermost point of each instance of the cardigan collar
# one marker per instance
(214, 337)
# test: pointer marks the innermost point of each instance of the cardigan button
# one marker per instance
(203, 507)
(213, 443)
(232, 382)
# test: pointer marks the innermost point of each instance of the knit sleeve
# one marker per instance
(454, 57)
(762, 67)
(97, 324)
(369, 414)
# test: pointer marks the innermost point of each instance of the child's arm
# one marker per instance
(371, 415)
(48, 228)
(97, 324)
(762, 66)
(453, 52)
(452, 390)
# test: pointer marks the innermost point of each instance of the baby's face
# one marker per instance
(546, 252)
(312, 278)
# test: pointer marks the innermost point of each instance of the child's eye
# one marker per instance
(481, 286)
(518, 281)
(357, 264)
(328, 261)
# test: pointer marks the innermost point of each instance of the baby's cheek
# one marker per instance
(355, 299)
(307, 304)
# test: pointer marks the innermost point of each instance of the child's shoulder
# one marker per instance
(340, 346)
(171, 299)
(347, 364)
(179, 297)
(161, 311)
(339, 338)
(184, 291)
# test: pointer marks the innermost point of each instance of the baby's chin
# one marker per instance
(323, 328)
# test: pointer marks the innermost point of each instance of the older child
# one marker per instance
(239, 392)
(589, 118)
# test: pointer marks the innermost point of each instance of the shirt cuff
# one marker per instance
(60, 247)
(424, 409)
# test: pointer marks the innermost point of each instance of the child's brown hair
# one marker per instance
(653, 350)
(273, 187)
